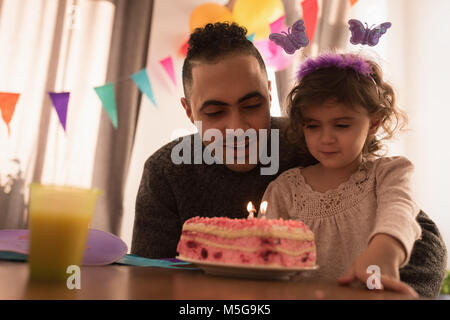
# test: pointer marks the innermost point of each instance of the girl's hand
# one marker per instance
(387, 253)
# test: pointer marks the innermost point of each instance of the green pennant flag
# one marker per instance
(143, 82)
(106, 95)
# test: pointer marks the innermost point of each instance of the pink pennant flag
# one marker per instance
(167, 64)
(276, 27)
(60, 102)
(310, 11)
(8, 102)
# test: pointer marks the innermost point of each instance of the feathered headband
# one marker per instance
(341, 61)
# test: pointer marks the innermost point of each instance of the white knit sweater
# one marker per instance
(378, 198)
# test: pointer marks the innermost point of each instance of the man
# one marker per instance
(226, 87)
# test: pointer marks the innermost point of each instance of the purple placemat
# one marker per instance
(102, 247)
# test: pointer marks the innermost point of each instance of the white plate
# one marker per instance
(247, 271)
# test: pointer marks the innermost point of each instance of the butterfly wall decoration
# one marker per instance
(293, 40)
(366, 35)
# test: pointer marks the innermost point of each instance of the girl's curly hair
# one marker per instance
(349, 87)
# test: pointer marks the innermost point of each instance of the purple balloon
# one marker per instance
(366, 35)
(102, 247)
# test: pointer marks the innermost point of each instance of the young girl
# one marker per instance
(359, 205)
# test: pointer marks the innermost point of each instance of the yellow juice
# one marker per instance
(58, 241)
(59, 224)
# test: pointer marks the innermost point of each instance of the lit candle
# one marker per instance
(263, 209)
(251, 210)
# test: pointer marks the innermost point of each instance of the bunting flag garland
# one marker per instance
(143, 82)
(60, 102)
(310, 11)
(106, 95)
(8, 102)
(273, 55)
(167, 64)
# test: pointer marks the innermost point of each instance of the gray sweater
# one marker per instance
(170, 194)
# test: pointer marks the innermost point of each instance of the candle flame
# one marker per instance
(251, 210)
(263, 207)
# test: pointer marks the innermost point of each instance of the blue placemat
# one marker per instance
(128, 259)
(12, 256)
(134, 260)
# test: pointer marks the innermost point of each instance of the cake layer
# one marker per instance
(238, 228)
(268, 242)
(262, 256)
(252, 243)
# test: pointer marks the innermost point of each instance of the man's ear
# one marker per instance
(270, 93)
(187, 109)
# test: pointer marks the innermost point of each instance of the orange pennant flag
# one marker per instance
(8, 101)
(352, 2)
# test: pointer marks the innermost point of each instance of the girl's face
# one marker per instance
(335, 133)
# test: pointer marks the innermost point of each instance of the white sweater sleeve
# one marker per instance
(396, 208)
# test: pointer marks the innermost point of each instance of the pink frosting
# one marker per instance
(239, 224)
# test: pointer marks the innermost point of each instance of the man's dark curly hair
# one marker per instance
(214, 42)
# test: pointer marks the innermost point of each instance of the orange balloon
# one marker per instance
(209, 13)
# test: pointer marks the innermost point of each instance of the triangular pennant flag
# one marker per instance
(251, 37)
(184, 49)
(8, 102)
(167, 64)
(106, 94)
(310, 11)
(60, 102)
(143, 83)
(353, 2)
(276, 27)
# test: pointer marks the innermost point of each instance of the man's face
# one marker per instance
(233, 93)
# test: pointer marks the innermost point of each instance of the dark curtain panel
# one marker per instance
(128, 55)
(328, 36)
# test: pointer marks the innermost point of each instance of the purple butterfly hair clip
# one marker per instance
(366, 35)
(329, 60)
(293, 40)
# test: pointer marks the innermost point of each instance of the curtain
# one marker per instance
(29, 30)
(128, 54)
(69, 46)
(330, 33)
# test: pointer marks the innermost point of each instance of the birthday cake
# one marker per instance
(258, 242)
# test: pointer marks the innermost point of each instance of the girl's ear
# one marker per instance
(375, 122)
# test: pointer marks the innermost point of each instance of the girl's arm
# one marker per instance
(386, 253)
(396, 207)
(396, 229)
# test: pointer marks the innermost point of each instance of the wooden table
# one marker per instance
(129, 282)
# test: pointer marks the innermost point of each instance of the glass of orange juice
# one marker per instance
(59, 224)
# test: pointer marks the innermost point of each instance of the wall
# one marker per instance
(414, 54)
